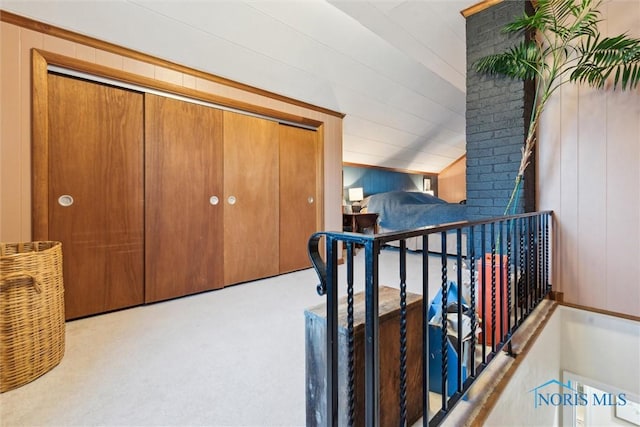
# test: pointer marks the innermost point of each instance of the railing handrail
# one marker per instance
(421, 231)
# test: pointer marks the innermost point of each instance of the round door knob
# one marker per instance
(310, 200)
(232, 200)
(213, 200)
(65, 200)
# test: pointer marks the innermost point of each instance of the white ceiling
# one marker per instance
(395, 68)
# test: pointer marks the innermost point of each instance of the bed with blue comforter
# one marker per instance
(406, 210)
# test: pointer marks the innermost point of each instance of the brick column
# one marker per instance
(498, 111)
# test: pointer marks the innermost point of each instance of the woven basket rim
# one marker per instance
(53, 245)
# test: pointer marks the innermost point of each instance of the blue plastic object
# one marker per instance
(435, 349)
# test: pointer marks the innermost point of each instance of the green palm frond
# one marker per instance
(569, 20)
(520, 62)
(558, 11)
(599, 59)
(557, 15)
(523, 23)
(548, 13)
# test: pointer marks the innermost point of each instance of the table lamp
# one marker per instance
(355, 197)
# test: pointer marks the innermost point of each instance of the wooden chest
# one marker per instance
(389, 334)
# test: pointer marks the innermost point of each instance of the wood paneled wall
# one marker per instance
(452, 181)
(16, 44)
(589, 174)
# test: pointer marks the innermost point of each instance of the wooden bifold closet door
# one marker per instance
(298, 195)
(155, 197)
(96, 193)
(183, 198)
(251, 197)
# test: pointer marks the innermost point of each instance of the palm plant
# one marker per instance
(566, 47)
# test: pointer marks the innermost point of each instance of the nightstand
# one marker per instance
(358, 222)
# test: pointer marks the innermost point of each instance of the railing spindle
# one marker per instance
(372, 355)
(332, 330)
(483, 292)
(501, 294)
(350, 338)
(509, 281)
(425, 331)
(443, 327)
(493, 286)
(459, 311)
(547, 239)
(403, 332)
(474, 313)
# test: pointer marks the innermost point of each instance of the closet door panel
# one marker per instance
(298, 195)
(250, 198)
(96, 193)
(184, 170)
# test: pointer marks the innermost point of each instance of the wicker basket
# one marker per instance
(32, 324)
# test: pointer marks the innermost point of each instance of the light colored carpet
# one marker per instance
(232, 357)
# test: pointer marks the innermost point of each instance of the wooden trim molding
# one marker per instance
(51, 30)
(479, 7)
(320, 194)
(50, 58)
(601, 311)
(559, 298)
(39, 147)
(556, 296)
(414, 172)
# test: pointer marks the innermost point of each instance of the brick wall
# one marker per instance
(498, 110)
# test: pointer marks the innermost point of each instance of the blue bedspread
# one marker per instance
(401, 210)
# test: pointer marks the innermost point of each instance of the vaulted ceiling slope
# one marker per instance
(395, 68)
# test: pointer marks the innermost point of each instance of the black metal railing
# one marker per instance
(501, 272)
